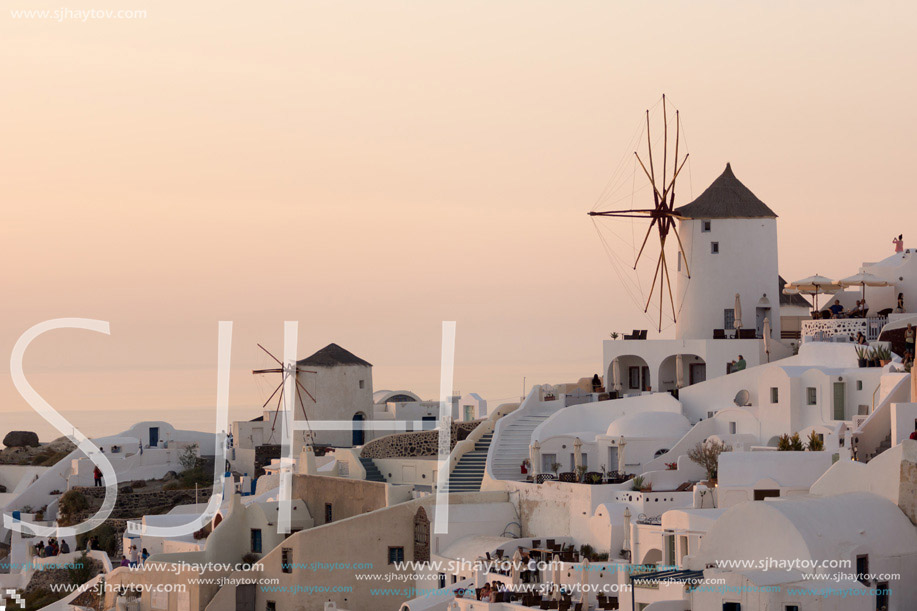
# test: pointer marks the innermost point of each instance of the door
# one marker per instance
(154, 436)
(760, 315)
(358, 434)
(697, 372)
(429, 423)
(840, 394)
(613, 458)
(469, 413)
(762, 494)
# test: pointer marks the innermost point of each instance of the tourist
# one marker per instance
(909, 338)
(740, 364)
(533, 570)
(523, 468)
(135, 556)
(125, 562)
(39, 547)
(596, 383)
(143, 556)
(837, 309)
(48, 551)
(97, 476)
(485, 593)
(913, 436)
(899, 243)
(64, 548)
(88, 544)
(861, 339)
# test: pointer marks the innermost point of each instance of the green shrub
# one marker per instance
(71, 503)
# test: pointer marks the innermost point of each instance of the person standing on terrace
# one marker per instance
(899, 243)
(909, 338)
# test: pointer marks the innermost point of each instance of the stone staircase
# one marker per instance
(372, 471)
(886, 444)
(469, 471)
(513, 444)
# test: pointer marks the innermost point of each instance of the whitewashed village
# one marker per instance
(763, 458)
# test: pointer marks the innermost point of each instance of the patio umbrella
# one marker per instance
(616, 368)
(737, 320)
(584, 584)
(766, 332)
(577, 454)
(813, 285)
(863, 279)
(535, 458)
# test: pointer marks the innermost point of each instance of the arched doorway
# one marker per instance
(680, 370)
(359, 435)
(653, 556)
(629, 374)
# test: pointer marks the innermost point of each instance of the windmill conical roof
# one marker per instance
(726, 198)
(333, 355)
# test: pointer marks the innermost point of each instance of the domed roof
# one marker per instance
(650, 425)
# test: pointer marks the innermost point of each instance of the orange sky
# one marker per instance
(373, 168)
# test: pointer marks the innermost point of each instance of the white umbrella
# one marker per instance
(535, 457)
(616, 368)
(766, 332)
(737, 320)
(863, 279)
(679, 371)
(813, 285)
(577, 454)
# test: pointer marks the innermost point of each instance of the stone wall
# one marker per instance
(137, 504)
(419, 443)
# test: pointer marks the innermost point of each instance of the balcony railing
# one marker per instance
(829, 329)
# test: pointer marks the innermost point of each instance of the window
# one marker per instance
(362, 383)
(775, 394)
(442, 581)
(729, 318)
(859, 384)
(706, 227)
(286, 555)
(256, 541)
(711, 414)
(714, 248)
(683, 541)
(811, 396)
(546, 461)
(863, 568)
(732, 428)
(732, 606)
(395, 554)
(791, 608)
(270, 606)
(328, 513)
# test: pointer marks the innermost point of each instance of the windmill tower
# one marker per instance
(730, 245)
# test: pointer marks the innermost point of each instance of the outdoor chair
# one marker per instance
(719, 334)
(543, 477)
(568, 476)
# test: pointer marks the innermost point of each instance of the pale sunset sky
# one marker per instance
(372, 168)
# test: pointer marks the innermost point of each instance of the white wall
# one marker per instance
(746, 264)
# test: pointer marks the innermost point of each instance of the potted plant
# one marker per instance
(883, 355)
(595, 479)
(862, 356)
(614, 335)
(871, 357)
(580, 472)
(815, 442)
(637, 483)
(555, 467)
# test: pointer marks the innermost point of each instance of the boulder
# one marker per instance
(21, 439)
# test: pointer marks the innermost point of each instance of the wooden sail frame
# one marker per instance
(662, 215)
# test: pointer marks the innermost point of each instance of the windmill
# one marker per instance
(662, 215)
(288, 370)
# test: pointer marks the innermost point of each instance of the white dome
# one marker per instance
(650, 425)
